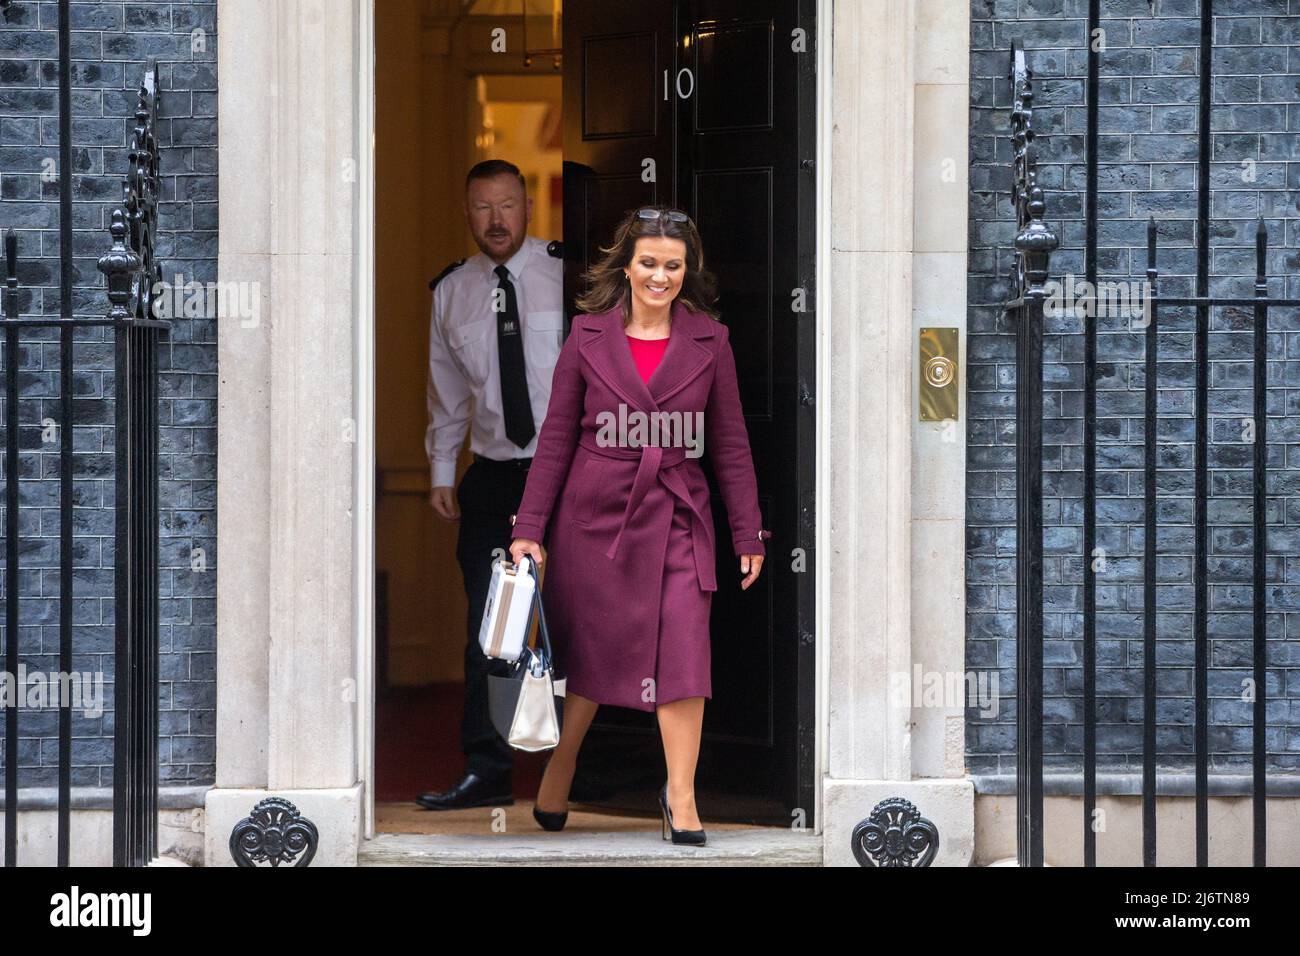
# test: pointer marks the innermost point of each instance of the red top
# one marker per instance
(647, 353)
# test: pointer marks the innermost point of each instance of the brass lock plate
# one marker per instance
(938, 371)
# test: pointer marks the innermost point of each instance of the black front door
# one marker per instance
(709, 105)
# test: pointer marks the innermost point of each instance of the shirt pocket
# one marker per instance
(543, 335)
(473, 349)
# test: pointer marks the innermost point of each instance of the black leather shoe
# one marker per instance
(688, 837)
(472, 791)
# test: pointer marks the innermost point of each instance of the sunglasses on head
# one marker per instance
(651, 214)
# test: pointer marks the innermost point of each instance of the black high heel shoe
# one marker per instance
(550, 821)
(688, 837)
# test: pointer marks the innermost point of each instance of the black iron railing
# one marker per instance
(132, 273)
(1034, 243)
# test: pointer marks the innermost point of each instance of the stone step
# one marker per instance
(756, 846)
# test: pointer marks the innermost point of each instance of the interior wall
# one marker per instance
(413, 546)
(525, 117)
(427, 65)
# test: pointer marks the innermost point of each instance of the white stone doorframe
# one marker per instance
(295, 439)
(891, 489)
(365, 581)
(295, 433)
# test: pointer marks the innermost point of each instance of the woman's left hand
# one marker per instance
(750, 565)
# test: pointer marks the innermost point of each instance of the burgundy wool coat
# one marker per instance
(628, 529)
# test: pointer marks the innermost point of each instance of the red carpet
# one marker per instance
(417, 744)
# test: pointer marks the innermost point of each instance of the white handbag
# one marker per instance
(526, 705)
(536, 723)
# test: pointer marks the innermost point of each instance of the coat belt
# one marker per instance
(656, 463)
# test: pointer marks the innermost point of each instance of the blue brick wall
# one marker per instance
(1148, 150)
(110, 45)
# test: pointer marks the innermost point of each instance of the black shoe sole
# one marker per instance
(498, 801)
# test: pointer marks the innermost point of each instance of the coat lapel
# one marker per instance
(605, 346)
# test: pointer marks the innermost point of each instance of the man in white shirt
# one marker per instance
(494, 336)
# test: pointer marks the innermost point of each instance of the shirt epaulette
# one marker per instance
(433, 283)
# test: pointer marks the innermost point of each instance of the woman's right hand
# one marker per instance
(521, 546)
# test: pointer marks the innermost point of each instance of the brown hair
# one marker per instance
(491, 168)
(607, 287)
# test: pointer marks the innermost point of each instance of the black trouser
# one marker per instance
(489, 494)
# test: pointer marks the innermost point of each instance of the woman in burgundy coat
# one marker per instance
(645, 383)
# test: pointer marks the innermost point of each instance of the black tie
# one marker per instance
(516, 404)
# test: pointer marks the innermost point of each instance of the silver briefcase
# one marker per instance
(508, 611)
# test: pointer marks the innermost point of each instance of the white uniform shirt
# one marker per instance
(464, 390)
